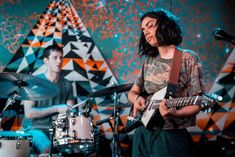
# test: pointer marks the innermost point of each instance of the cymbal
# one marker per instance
(111, 90)
(27, 87)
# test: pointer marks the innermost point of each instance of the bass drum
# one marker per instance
(15, 144)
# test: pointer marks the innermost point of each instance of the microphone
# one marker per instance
(219, 34)
(99, 122)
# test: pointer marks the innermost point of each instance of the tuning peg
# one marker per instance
(214, 96)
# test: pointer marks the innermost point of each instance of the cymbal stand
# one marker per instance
(11, 101)
(51, 132)
(20, 84)
(116, 147)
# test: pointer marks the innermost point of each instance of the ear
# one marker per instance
(45, 60)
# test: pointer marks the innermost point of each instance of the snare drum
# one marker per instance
(73, 132)
(15, 144)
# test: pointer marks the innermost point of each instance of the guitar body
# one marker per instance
(152, 118)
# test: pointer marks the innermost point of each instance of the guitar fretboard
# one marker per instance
(177, 102)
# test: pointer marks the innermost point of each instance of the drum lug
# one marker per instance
(18, 145)
(92, 134)
(0, 144)
(73, 122)
(74, 133)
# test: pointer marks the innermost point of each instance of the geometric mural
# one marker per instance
(221, 118)
(83, 63)
(85, 66)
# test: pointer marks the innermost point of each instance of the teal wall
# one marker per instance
(17, 18)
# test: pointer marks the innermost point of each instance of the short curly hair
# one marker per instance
(168, 32)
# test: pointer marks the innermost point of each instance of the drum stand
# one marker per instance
(116, 147)
(51, 132)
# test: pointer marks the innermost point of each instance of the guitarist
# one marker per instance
(159, 41)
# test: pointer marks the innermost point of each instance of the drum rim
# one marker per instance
(11, 135)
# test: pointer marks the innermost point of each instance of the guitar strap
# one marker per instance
(174, 73)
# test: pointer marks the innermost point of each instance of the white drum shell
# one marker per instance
(71, 129)
(13, 144)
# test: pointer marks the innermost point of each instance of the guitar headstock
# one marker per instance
(209, 100)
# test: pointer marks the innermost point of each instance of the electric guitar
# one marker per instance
(151, 116)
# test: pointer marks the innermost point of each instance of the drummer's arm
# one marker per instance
(38, 112)
(70, 102)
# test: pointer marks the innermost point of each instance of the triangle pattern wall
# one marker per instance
(221, 117)
(83, 63)
(86, 68)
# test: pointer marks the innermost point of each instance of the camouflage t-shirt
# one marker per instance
(154, 76)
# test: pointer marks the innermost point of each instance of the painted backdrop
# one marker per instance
(100, 40)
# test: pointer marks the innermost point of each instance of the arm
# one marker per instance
(133, 93)
(70, 102)
(185, 111)
(135, 98)
(188, 111)
(62, 108)
(35, 112)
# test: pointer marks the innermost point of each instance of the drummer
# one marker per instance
(38, 114)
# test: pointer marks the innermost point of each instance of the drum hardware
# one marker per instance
(51, 132)
(19, 86)
(87, 107)
(18, 145)
(99, 122)
(15, 144)
(114, 90)
(73, 133)
(10, 101)
(116, 146)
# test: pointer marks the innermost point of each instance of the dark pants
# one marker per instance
(160, 143)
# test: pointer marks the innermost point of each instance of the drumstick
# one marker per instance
(81, 103)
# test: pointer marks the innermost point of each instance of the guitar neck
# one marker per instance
(177, 102)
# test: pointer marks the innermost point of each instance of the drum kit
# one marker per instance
(70, 132)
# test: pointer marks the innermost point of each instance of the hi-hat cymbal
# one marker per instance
(111, 90)
(27, 87)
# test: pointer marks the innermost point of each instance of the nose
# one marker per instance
(59, 60)
(146, 32)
